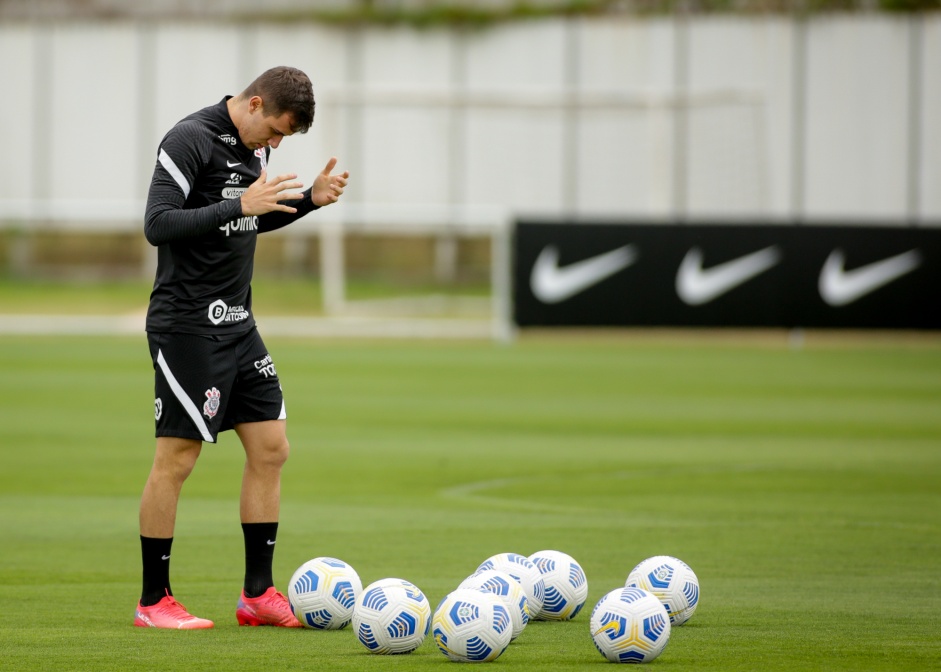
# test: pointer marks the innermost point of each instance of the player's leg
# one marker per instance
(174, 460)
(258, 416)
(191, 382)
(266, 451)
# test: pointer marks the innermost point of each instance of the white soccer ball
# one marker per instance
(520, 568)
(672, 581)
(391, 616)
(322, 593)
(471, 626)
(630, 625)
(566, 585)
(508, 590)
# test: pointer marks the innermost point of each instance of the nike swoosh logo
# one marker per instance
(164, 557)
(552, 284)
(271, 543)
(230, 164)
(838, 287)
(696, 285)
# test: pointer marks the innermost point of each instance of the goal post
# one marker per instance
(476, 316)
(702, 152)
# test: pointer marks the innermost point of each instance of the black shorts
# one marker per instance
(204, 385)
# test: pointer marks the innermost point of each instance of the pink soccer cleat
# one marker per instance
(168, 613)
(272, 608)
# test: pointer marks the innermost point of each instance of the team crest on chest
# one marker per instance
(211, 407)
(260, 153)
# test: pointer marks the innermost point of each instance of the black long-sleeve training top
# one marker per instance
(205, 246)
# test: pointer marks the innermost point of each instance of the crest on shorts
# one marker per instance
(211, 407)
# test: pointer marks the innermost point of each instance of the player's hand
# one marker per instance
(328, 188)
(264, 196)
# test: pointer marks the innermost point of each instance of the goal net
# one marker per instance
(436, 308)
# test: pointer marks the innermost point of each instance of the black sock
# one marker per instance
(260, 539)
(155, 554)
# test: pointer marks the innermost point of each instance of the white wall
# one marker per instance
(776, 130)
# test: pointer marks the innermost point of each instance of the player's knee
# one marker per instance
(282, 451)
(175, 461)
(181, 468)
(272, 454)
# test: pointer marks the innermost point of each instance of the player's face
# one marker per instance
(260, 130)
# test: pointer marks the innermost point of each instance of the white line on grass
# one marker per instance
(325, 327)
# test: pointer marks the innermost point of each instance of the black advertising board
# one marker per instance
(730, 275)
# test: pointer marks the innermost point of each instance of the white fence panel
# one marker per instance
(857, 95)
(833, 121)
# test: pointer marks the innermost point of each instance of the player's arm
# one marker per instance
(182, 154)
(279, 219)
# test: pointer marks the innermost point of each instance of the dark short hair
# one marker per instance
(285, 89)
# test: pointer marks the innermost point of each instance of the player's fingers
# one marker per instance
(280, 179)
(289, 185)
(262, 176)
(331, 164)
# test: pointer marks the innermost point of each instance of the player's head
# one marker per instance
(279, 102)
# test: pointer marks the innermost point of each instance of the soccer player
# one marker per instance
(209, 198)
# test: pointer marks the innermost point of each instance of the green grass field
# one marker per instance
(803, 487)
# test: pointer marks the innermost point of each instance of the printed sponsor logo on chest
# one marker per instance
(233, 192)
(240, 224)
